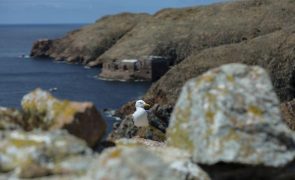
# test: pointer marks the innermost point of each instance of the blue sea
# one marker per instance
(19, 76)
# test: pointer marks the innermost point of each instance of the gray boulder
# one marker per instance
(231, 114)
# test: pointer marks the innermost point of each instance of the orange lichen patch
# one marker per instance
(178, 136)
(208, 134)
(112, 154)
(210, 116)
(69, 111)
(230, 78)
(255, 110)
(115, 154)
(231, 135)
(20, 143)
(207, 78)
(64, 107)
(211, 98)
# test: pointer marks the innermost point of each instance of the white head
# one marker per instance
(141, 104)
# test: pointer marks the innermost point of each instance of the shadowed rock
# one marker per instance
(41, 48)
(288, 113)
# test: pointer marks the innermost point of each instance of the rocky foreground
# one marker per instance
(226, 124)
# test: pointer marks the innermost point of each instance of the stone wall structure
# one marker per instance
(148, 68)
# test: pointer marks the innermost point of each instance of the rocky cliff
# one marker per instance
(256, 32)
(180, 32)
(273, 51)
(88, 43)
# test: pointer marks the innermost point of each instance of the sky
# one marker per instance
(80, 11)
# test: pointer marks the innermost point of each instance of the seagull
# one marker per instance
(140, 116)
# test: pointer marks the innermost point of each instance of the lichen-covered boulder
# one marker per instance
(44, 111)
(231, 114)
(37, 154)
(128, 163)
(10, 119)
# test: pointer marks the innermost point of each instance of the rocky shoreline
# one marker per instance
(194, 40)
(174, 33)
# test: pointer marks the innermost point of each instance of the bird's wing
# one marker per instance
(138, 114)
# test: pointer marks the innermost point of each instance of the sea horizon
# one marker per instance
(42, 24)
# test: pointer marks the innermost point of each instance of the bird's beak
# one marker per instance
(147, 106)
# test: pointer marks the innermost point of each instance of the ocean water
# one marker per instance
(19, 76)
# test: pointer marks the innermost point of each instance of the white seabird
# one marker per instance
(140, 116)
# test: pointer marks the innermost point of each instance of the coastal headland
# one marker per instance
(222, 108)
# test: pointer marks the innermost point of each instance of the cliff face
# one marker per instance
(274, 52)
(171, 32)
(86, 44)
(180, 32)
(256, 32)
